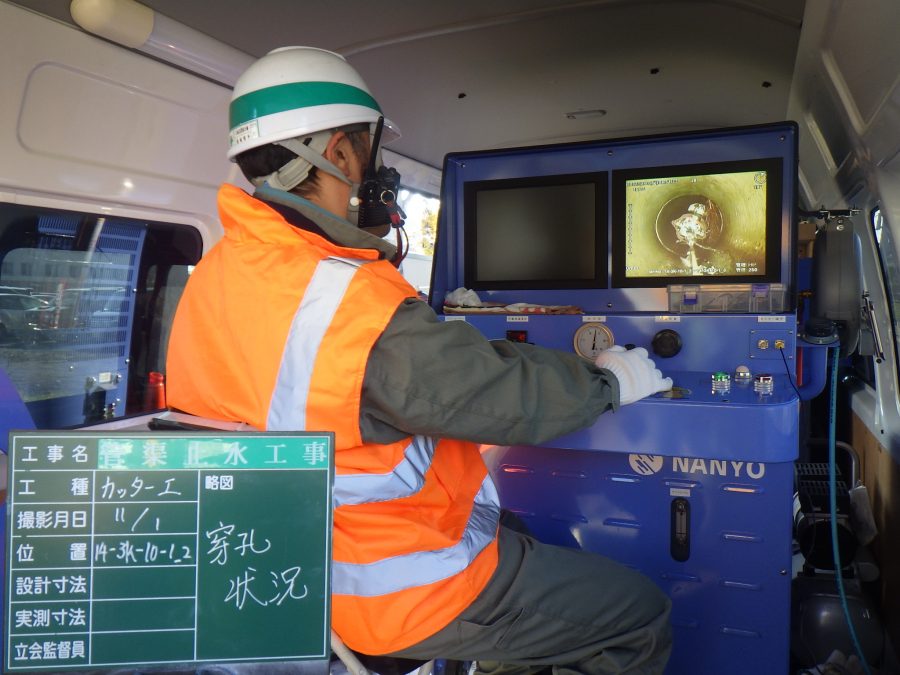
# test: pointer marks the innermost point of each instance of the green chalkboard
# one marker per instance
(163, 548)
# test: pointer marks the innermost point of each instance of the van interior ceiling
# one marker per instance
(762, 494)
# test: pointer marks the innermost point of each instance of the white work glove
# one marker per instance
(638, 376)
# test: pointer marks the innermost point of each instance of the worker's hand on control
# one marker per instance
(638, 376)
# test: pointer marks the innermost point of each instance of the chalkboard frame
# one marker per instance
(255, 456)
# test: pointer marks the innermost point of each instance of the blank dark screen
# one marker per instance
(540, 233)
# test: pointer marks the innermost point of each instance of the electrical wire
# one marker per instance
(405, 241)
(832, 490)
(402, 246)
(787, 371)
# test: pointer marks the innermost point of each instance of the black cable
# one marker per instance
(787, 371)
(402, 246)
(402, 231)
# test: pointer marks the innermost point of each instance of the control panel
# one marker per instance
(756, 344)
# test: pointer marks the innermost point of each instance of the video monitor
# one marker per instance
(545, 232)
(698, 223)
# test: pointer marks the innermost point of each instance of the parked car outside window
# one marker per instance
(22, 316)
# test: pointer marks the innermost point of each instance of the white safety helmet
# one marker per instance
(294, 92)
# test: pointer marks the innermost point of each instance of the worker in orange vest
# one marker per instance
(297, 320)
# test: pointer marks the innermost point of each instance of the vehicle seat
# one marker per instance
(361, 664)
(386, 665)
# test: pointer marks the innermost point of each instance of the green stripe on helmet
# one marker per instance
(295, 95)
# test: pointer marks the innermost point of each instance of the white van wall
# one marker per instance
(846, 99)
(90, 126)
(847, 103)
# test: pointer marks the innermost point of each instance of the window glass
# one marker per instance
(86, 302)
(890, 265)
(421, 228)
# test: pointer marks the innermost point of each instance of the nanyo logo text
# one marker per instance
(647, 465)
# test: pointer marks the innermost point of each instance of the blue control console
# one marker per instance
(692, 487)
(683, 245)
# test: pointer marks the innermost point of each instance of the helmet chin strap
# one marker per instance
(380, 183)
(309, 154)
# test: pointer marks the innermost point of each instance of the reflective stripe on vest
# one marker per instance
(423, 567)
(406, 479)
(322, 298)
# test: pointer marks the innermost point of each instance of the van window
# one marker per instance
(86, 302)
(890, 265)
(421, 228)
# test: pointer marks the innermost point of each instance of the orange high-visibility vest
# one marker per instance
(274, 329)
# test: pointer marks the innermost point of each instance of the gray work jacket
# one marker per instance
(445, 379)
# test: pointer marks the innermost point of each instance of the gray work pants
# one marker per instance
(545, 606)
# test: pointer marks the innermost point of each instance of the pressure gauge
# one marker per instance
(591, 339)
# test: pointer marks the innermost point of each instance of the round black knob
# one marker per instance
(666, 343)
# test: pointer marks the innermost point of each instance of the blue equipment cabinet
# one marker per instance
(694, 487)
